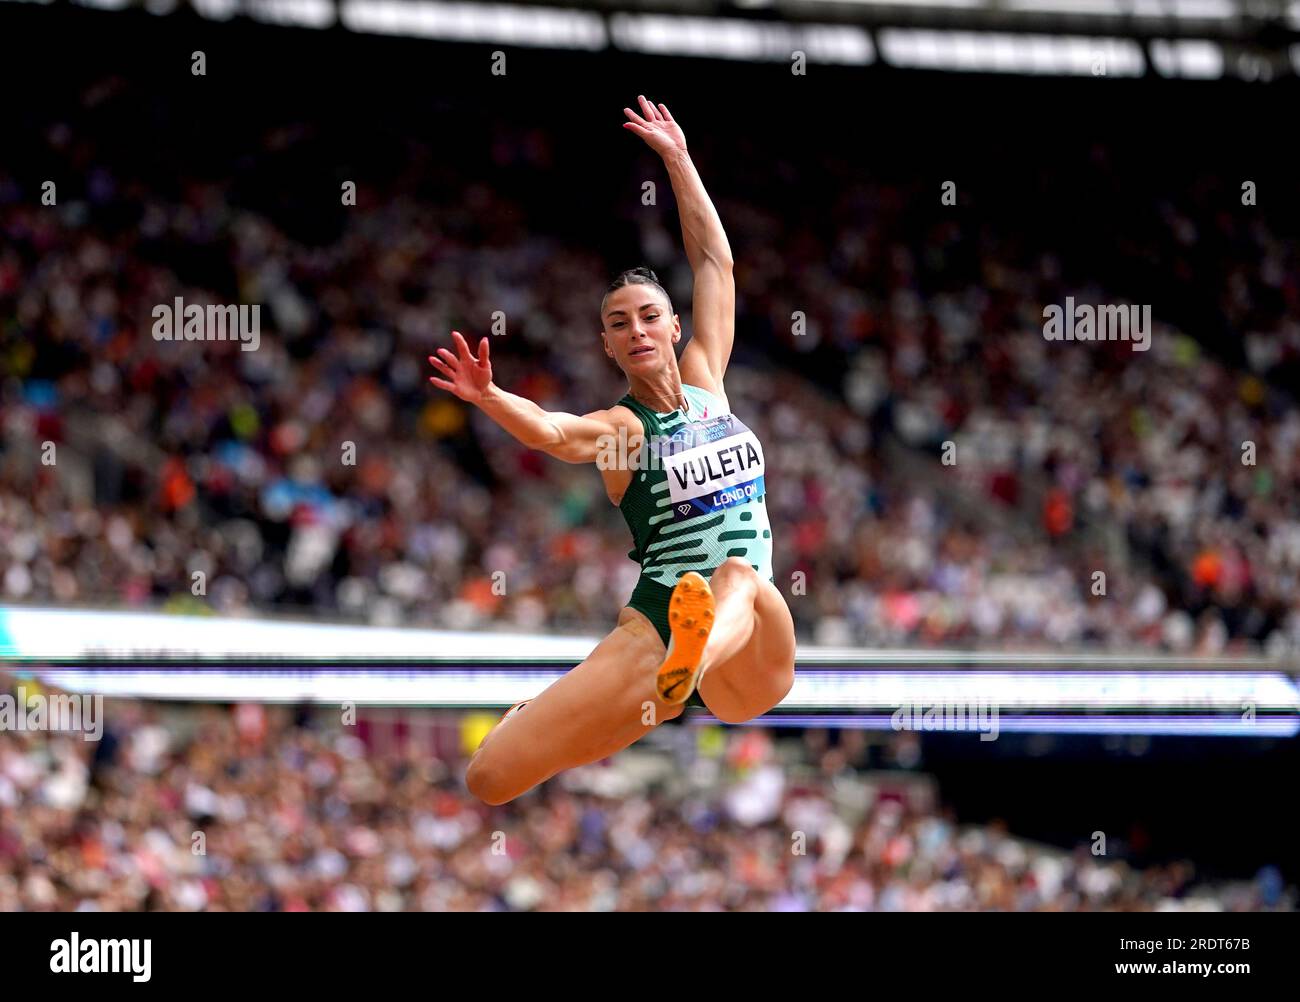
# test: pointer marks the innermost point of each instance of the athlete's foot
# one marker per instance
(690, 618)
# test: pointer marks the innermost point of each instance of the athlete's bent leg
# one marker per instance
(596, 709)
(735, 589)
(748, 662)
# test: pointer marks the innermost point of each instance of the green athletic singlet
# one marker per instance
(695, 499)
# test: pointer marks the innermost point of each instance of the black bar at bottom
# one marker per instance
(1015, 954)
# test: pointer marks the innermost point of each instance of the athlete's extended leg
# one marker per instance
(746, 665)
(597, 709)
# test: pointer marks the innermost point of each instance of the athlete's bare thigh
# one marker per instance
(596, 709)
(761, 674)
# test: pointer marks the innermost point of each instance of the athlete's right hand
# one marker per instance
(467, 377)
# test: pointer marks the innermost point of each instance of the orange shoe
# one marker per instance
(690, 618)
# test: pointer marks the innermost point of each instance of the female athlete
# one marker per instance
(705, 616)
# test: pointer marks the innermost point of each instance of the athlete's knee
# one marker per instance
(737, 565)
(734, 571)
(487, 781)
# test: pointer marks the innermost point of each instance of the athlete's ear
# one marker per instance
(605, 342)
(677, 328)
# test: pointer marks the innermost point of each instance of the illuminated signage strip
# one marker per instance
(1240, 693)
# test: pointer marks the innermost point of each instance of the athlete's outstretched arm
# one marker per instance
(571, 437)
(707, 249)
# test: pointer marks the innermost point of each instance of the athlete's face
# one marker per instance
(639, 332)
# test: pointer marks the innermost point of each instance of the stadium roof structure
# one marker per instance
(1252, 40)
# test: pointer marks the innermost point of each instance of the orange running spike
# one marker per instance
(690, 618)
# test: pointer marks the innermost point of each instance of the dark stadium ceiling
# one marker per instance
(1259, 22)
(1252, 40)
(1274, 22)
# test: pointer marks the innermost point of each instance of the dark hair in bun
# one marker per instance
(635, 276)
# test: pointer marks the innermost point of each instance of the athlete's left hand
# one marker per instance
(657, 128)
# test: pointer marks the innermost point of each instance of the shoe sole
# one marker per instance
(690, 620)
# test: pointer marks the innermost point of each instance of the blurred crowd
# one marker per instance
(938, 472)
(261, 809)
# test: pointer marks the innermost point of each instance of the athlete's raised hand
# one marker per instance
(467, 377)
(657, 128)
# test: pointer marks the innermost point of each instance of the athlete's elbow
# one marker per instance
(716, 259)
(569, 452)
(545, 437)
(571, 449)
(718, 252)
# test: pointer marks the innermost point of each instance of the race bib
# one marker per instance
(712, 465)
